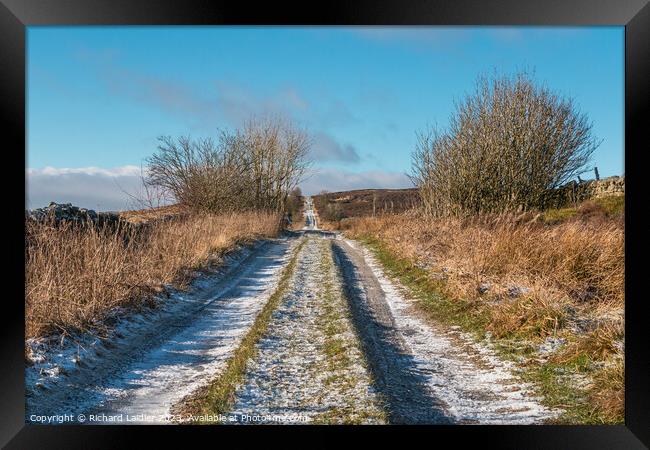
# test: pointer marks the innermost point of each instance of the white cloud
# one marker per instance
(114, 172)
(334, 180)
(90, 187)
(325, 148)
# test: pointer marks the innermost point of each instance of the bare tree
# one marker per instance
(252, 168)
(294, 202)
(333, 213)
(145, 196)
(276, 154)
(508, 145)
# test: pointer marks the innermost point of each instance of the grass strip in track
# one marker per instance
(333, 319)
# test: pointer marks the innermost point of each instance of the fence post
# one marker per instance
(374, 200)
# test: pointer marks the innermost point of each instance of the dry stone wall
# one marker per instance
(575, 192)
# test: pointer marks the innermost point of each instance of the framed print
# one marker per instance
(357, 218)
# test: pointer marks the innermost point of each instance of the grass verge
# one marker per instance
(76, 274)
(588, 387)
(218, 396)
(608, 207)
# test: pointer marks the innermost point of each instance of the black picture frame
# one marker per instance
(16, 15)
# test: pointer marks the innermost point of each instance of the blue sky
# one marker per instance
(99, 96)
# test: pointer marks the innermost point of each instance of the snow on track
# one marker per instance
(311, 223)
(294, 379)
(474, 385)
(191, 351)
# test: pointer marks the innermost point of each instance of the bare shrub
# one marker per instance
(508, 145)
(333, 212)
(276, 155)
(255, 167)
(294, 202)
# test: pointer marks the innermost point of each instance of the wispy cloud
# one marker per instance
(172, 97)
(237, 103)
(334, 113)
(445, 37)
(326, 148)
(221, 99)
(202, 106)
(223, 102)
(334, 180)
(418, 35)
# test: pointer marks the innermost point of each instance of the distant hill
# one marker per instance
(360, 202)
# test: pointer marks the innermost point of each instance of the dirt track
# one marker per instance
(310, 363)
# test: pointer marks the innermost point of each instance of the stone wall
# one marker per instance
(59, 212)
(65, 213)
(574, 192)
(608, 186)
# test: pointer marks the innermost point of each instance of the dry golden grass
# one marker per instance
(75, 275)
(575, 260)
(599, 344)
(147, 214)
(608, 396)
(572, 270)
